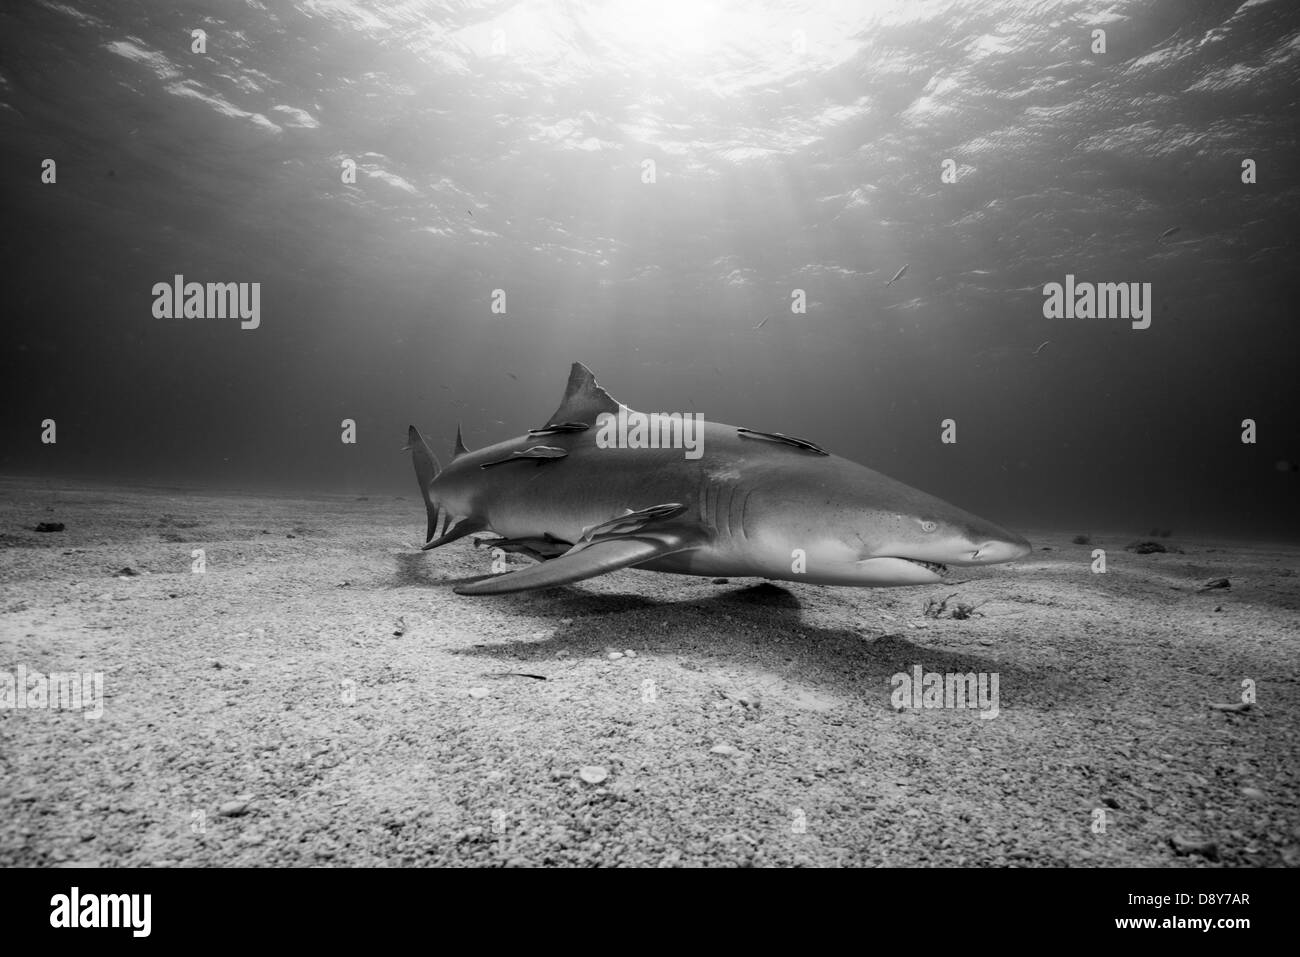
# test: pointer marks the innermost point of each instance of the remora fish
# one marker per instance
(753, 504)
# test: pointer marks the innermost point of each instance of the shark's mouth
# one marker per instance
(935, 567)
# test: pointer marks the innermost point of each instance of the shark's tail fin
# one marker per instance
(426, 470)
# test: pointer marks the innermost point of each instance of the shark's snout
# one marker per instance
(997, 550)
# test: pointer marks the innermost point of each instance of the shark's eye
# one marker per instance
(928, 526)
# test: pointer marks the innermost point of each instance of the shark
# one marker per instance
(749, 504)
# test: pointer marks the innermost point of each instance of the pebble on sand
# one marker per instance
(615, 655)
(478, 692)
(1186, 845)
(1145, 548)
(592, 773)
(233, 809)
(725, 749)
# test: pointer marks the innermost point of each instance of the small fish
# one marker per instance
(898, 275)
(541, 453)
(555, 427)
(1040, 348)
(513, 376)
(1282, 465)
(1170, 231)
(470, 211)
(787, 439)
(763, 323)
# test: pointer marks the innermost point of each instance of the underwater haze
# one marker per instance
(710, 204)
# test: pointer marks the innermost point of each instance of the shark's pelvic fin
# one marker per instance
(583, 401)
(594, 559)
(787, 439)
(460, 449)
(426, 470)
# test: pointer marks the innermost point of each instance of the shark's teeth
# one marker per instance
(935, 567)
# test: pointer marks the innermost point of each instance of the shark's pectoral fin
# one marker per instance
(588, 561)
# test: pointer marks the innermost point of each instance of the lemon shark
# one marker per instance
(750, 503)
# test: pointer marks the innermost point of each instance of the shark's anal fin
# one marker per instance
(576, 565)
(787, 439)
(466, 526)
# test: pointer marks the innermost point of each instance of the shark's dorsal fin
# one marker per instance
(583, 399)
(460, 449)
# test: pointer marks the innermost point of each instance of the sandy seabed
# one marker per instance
(319, 695)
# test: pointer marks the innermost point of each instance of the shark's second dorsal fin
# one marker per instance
(583, 399)
(460, 449)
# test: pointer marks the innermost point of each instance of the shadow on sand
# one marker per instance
(758, 628)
